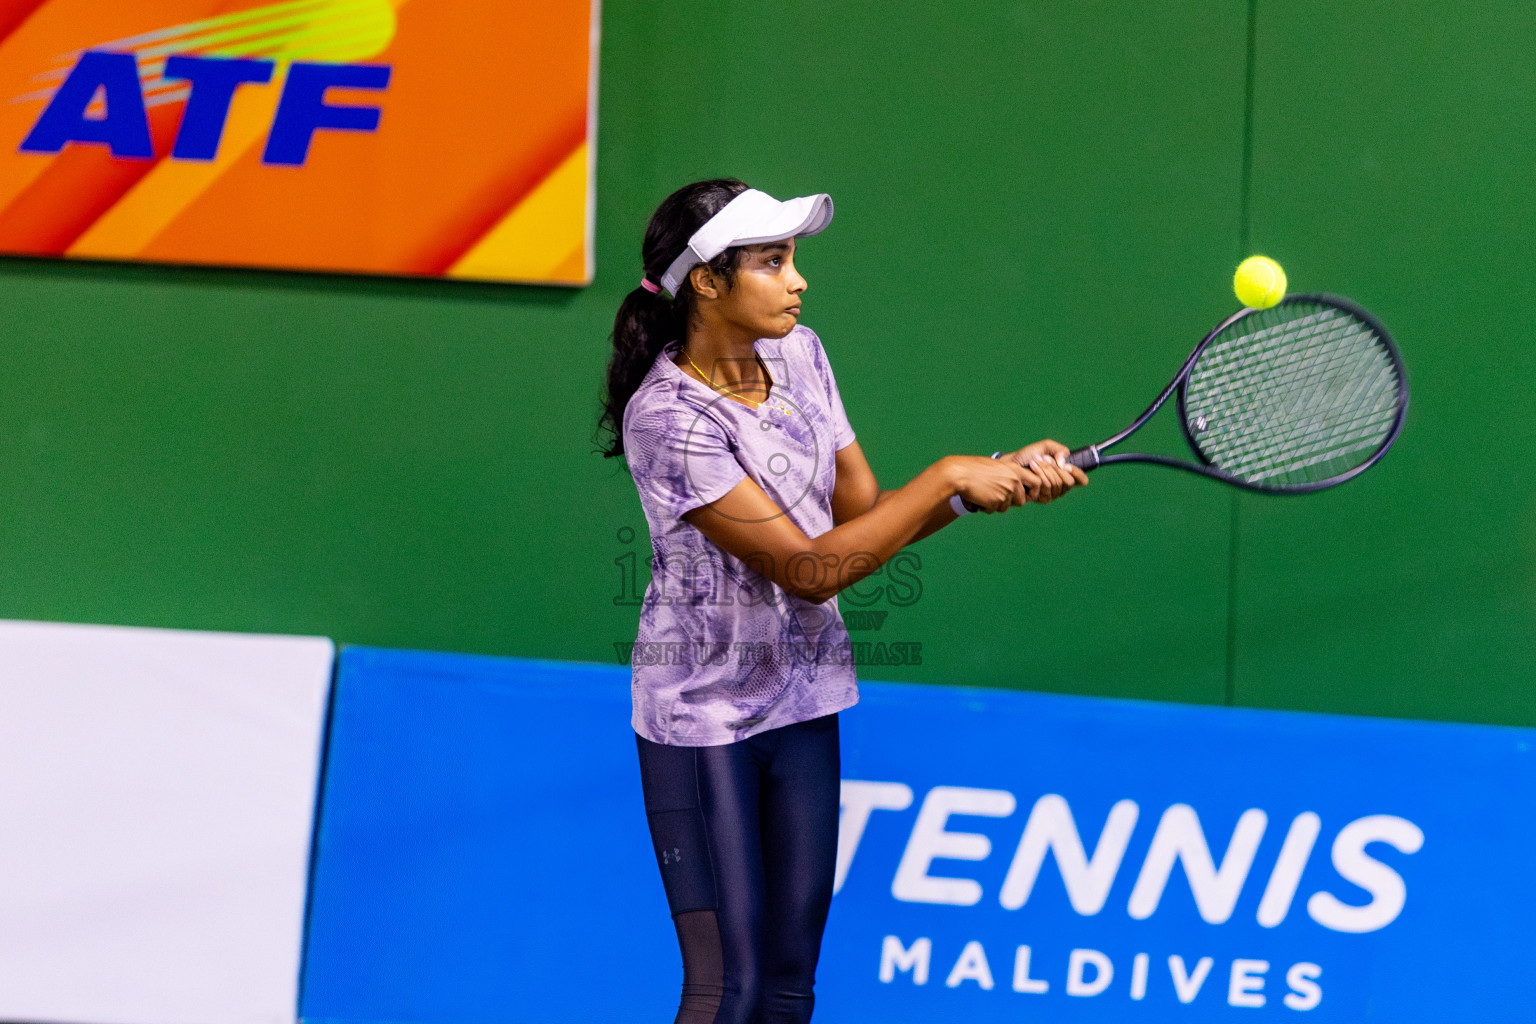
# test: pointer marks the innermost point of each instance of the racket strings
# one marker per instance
(1276, 439)
(1280, 379)
(1302, 394)
(1275, 371)
(1275, 420)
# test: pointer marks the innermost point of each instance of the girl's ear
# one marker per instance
(704, 281)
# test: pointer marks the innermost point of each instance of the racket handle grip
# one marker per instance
(1085, 459)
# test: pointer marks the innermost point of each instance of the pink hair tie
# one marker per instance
(650, 286)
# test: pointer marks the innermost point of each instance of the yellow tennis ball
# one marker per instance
(1259, 282)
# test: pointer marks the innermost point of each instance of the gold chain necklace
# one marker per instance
(725, 390)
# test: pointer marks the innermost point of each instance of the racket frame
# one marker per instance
(1093, 456)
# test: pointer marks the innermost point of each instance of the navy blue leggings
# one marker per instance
(746, 839)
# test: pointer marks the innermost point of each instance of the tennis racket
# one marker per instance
(1295, 398)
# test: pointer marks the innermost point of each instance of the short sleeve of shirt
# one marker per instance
(842, 430)
(681, 458)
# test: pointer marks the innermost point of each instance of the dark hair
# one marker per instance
(647, 321)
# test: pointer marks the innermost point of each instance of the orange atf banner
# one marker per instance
(442, 138)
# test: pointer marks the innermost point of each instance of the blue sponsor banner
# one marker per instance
(1071, 859)
(482, 853)
(483, 856)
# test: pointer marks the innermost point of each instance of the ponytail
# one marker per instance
(647, 321)
(644, 324)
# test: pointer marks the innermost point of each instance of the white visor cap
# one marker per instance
(752, 218)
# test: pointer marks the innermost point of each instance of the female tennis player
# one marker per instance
(761, 508)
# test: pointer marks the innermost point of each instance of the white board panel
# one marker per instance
(157, 792)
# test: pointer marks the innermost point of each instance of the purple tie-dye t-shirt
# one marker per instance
(723, 652)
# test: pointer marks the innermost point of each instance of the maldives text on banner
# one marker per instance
(157, 789)
(450, 138)
(483, 853)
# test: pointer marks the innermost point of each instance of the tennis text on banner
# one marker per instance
(1178, 839)
(931, 870)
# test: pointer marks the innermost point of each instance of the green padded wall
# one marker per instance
(1039, 207)
(1393, 162)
